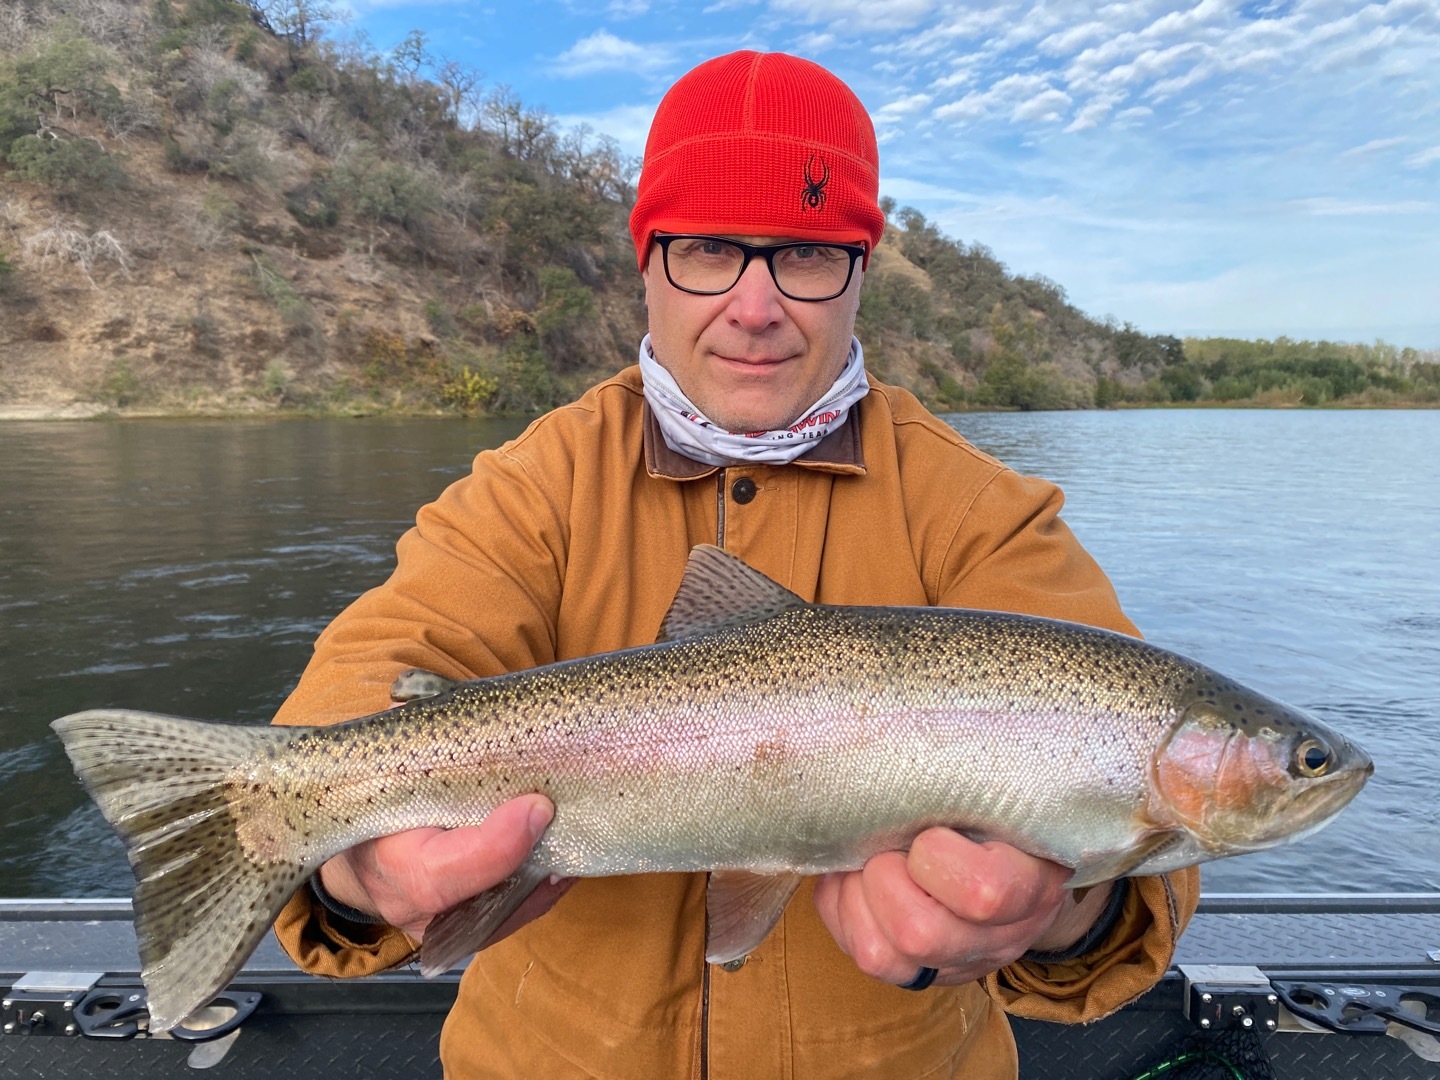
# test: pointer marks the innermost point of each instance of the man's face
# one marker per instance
(750, 359)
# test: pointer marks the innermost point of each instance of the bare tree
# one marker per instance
(300, 22)
(460, 85)
(68, 242)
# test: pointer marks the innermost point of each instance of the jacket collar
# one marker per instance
(839, 452)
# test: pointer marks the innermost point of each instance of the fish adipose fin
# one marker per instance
(414, 683)
(718, 591)
(741, 908)
(455, 934)
(202, 903)
(1118, 864)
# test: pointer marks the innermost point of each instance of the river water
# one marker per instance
(185, 567)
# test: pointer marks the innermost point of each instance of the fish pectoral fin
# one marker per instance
(742, 908)
(414, 683)
(1117, 864)
(465, 928)
(717, 591)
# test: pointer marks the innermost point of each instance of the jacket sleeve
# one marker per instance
(475, 592)
(1012, 552)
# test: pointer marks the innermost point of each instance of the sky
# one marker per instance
(1215, 169)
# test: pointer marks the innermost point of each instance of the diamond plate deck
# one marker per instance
(388, 1026)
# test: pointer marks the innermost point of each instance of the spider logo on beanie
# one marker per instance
(813, 197)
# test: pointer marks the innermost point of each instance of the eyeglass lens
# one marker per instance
(802, 271)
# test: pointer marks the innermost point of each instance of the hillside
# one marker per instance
(211, 205)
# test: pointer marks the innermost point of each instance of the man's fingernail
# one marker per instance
(539, 819)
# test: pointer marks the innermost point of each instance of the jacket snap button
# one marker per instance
(743, 490)
(735, 965)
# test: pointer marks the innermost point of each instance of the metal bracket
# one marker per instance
(1220, 997)
(44, 1002)
(120, 1013)
(112, 1012)
(1361, 1009)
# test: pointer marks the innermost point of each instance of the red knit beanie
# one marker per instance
(760, 144)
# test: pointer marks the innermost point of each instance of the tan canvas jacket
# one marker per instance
(571, 540)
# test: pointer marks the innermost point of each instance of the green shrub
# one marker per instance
(67, 62)
(294, 312)
(314, 205)
(121, 386)
(895, 304)
(184, 157)
(67, 166)
(1182, 383)
(439, 319)
(1108, 393)
(172, 41)
(1010, 382)
(213, 12)
(527, 385)
(276, 384)
(949, 394)
(246, 45)
(381, 190)
(469, 389)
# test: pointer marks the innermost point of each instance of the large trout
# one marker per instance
(762, 738)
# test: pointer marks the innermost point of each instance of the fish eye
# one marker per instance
(1312, 758)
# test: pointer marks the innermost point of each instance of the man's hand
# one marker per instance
(409, 878)
(963, 908)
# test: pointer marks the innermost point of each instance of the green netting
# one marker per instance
(1231, 1055)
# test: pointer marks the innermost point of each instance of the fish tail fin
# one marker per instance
(202, 903)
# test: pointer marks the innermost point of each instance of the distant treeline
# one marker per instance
(1296, 373)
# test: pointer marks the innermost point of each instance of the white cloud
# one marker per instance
(1374, 146)
(1423, 158)
(813, 44)
(1329, 207)
(904, 190)
(1046, 107)
(628, 125)
(903, 107)
(603, 51)
(871, 15)
(1358, 53)
(1090, 116)
(1015, 93)
(628, 9)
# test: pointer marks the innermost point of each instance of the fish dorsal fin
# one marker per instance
(741, 908)
(720, 591)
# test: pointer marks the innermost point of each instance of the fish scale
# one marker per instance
(762, 739)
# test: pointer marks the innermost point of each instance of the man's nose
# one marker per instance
(755, 302)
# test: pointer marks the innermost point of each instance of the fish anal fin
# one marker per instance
(1111, 865)
(465, 928)
(719, 591)
(742, 908)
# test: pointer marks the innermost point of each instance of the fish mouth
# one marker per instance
(1318, 804)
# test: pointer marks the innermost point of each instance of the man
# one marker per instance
(749, 423)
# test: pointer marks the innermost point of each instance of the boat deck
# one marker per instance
(388, 1025)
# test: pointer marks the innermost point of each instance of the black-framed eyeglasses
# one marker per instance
(802, 270)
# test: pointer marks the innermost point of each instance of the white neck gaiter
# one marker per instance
(688, 431)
